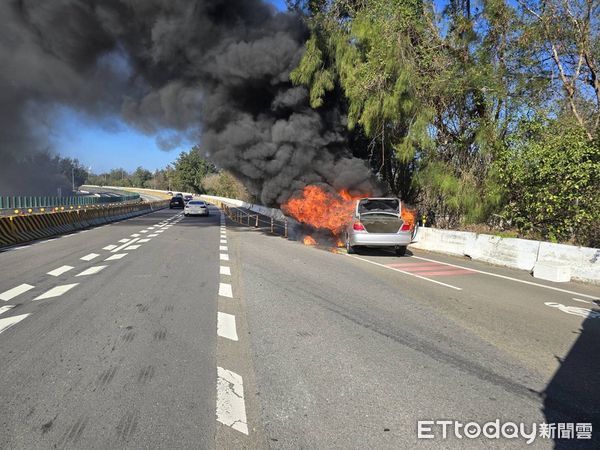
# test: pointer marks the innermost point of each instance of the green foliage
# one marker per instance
(551, 175)
(224, 184)
(190, 170)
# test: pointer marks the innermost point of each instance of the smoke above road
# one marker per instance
(214, 71)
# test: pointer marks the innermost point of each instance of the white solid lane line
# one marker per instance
(118, 249)
(133, 247)
(507, 278)
(89, 257)
(223, 248)
(224, 270)
(3, 309)
(231, 407)
(117, 256)
(91, 271)
(5, 324)
(59, 271)
(12, 293)
(226, 326)
(223, 256)
(225, 290)
(56, 291)
(405, 273)
(110, 247)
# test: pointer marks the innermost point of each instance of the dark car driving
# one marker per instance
(176, 202)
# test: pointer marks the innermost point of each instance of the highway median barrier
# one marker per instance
(18, 229)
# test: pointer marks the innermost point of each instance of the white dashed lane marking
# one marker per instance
(135, 235)
(223, 248)
(225, 290)
(8, 322)
(110, 247)
(91, 271)
(223, 241)
(123, 241)
(89, 257)
(226, 326)
(224, 270)
(231, 407)
(152, 235)
(59, 271)
(143, 241)
(117, 256)
(133, 247)
(118, 249)
(56, 291)
(3, 309)
(223, 257)
(12, 293)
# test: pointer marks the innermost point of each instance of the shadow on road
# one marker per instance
(573, 393)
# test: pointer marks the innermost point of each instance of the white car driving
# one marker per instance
(196, 208)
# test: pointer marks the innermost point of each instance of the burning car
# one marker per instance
(379, 222)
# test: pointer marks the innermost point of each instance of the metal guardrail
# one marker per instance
(256, 220)
(19, 202)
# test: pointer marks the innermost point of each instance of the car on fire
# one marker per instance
(378, 223)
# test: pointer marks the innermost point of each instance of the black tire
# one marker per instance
(400, 250)
(349, 248)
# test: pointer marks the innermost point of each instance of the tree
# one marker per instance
(189, 171)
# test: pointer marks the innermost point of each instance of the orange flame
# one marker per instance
(322, 209)
(309, 240)
(408, 216)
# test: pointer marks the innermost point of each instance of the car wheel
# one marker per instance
(349, 248)
(400, 250)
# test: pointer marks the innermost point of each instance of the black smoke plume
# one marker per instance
(216, 71)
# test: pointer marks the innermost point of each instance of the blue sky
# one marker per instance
(111, 145)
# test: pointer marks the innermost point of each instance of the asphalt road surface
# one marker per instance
(170, 332)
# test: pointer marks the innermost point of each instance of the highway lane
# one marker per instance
(126, 357)
(199, 333)
(347, 350)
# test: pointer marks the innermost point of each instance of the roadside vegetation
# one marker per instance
(479, 113)
(190, 172)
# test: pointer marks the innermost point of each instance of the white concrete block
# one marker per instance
(560, 273)
(508, 252)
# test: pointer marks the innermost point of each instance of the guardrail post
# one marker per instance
(285, 228)
(256, 224)
(271, 225)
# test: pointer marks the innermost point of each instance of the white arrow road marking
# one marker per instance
(226, 326)
(56, 291)
(3, 309)
(110, 247)
(575, 310)
(231, 407)
(91, 271)
(58, 272)
(12, 293)
(117, 256)
(89, 257)
(224, 270)
(5, 324)
(225, 290)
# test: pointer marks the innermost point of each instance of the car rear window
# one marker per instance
(379, 205)
(196, 202)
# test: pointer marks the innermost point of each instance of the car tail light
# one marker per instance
(358, 226)
(405, 227)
